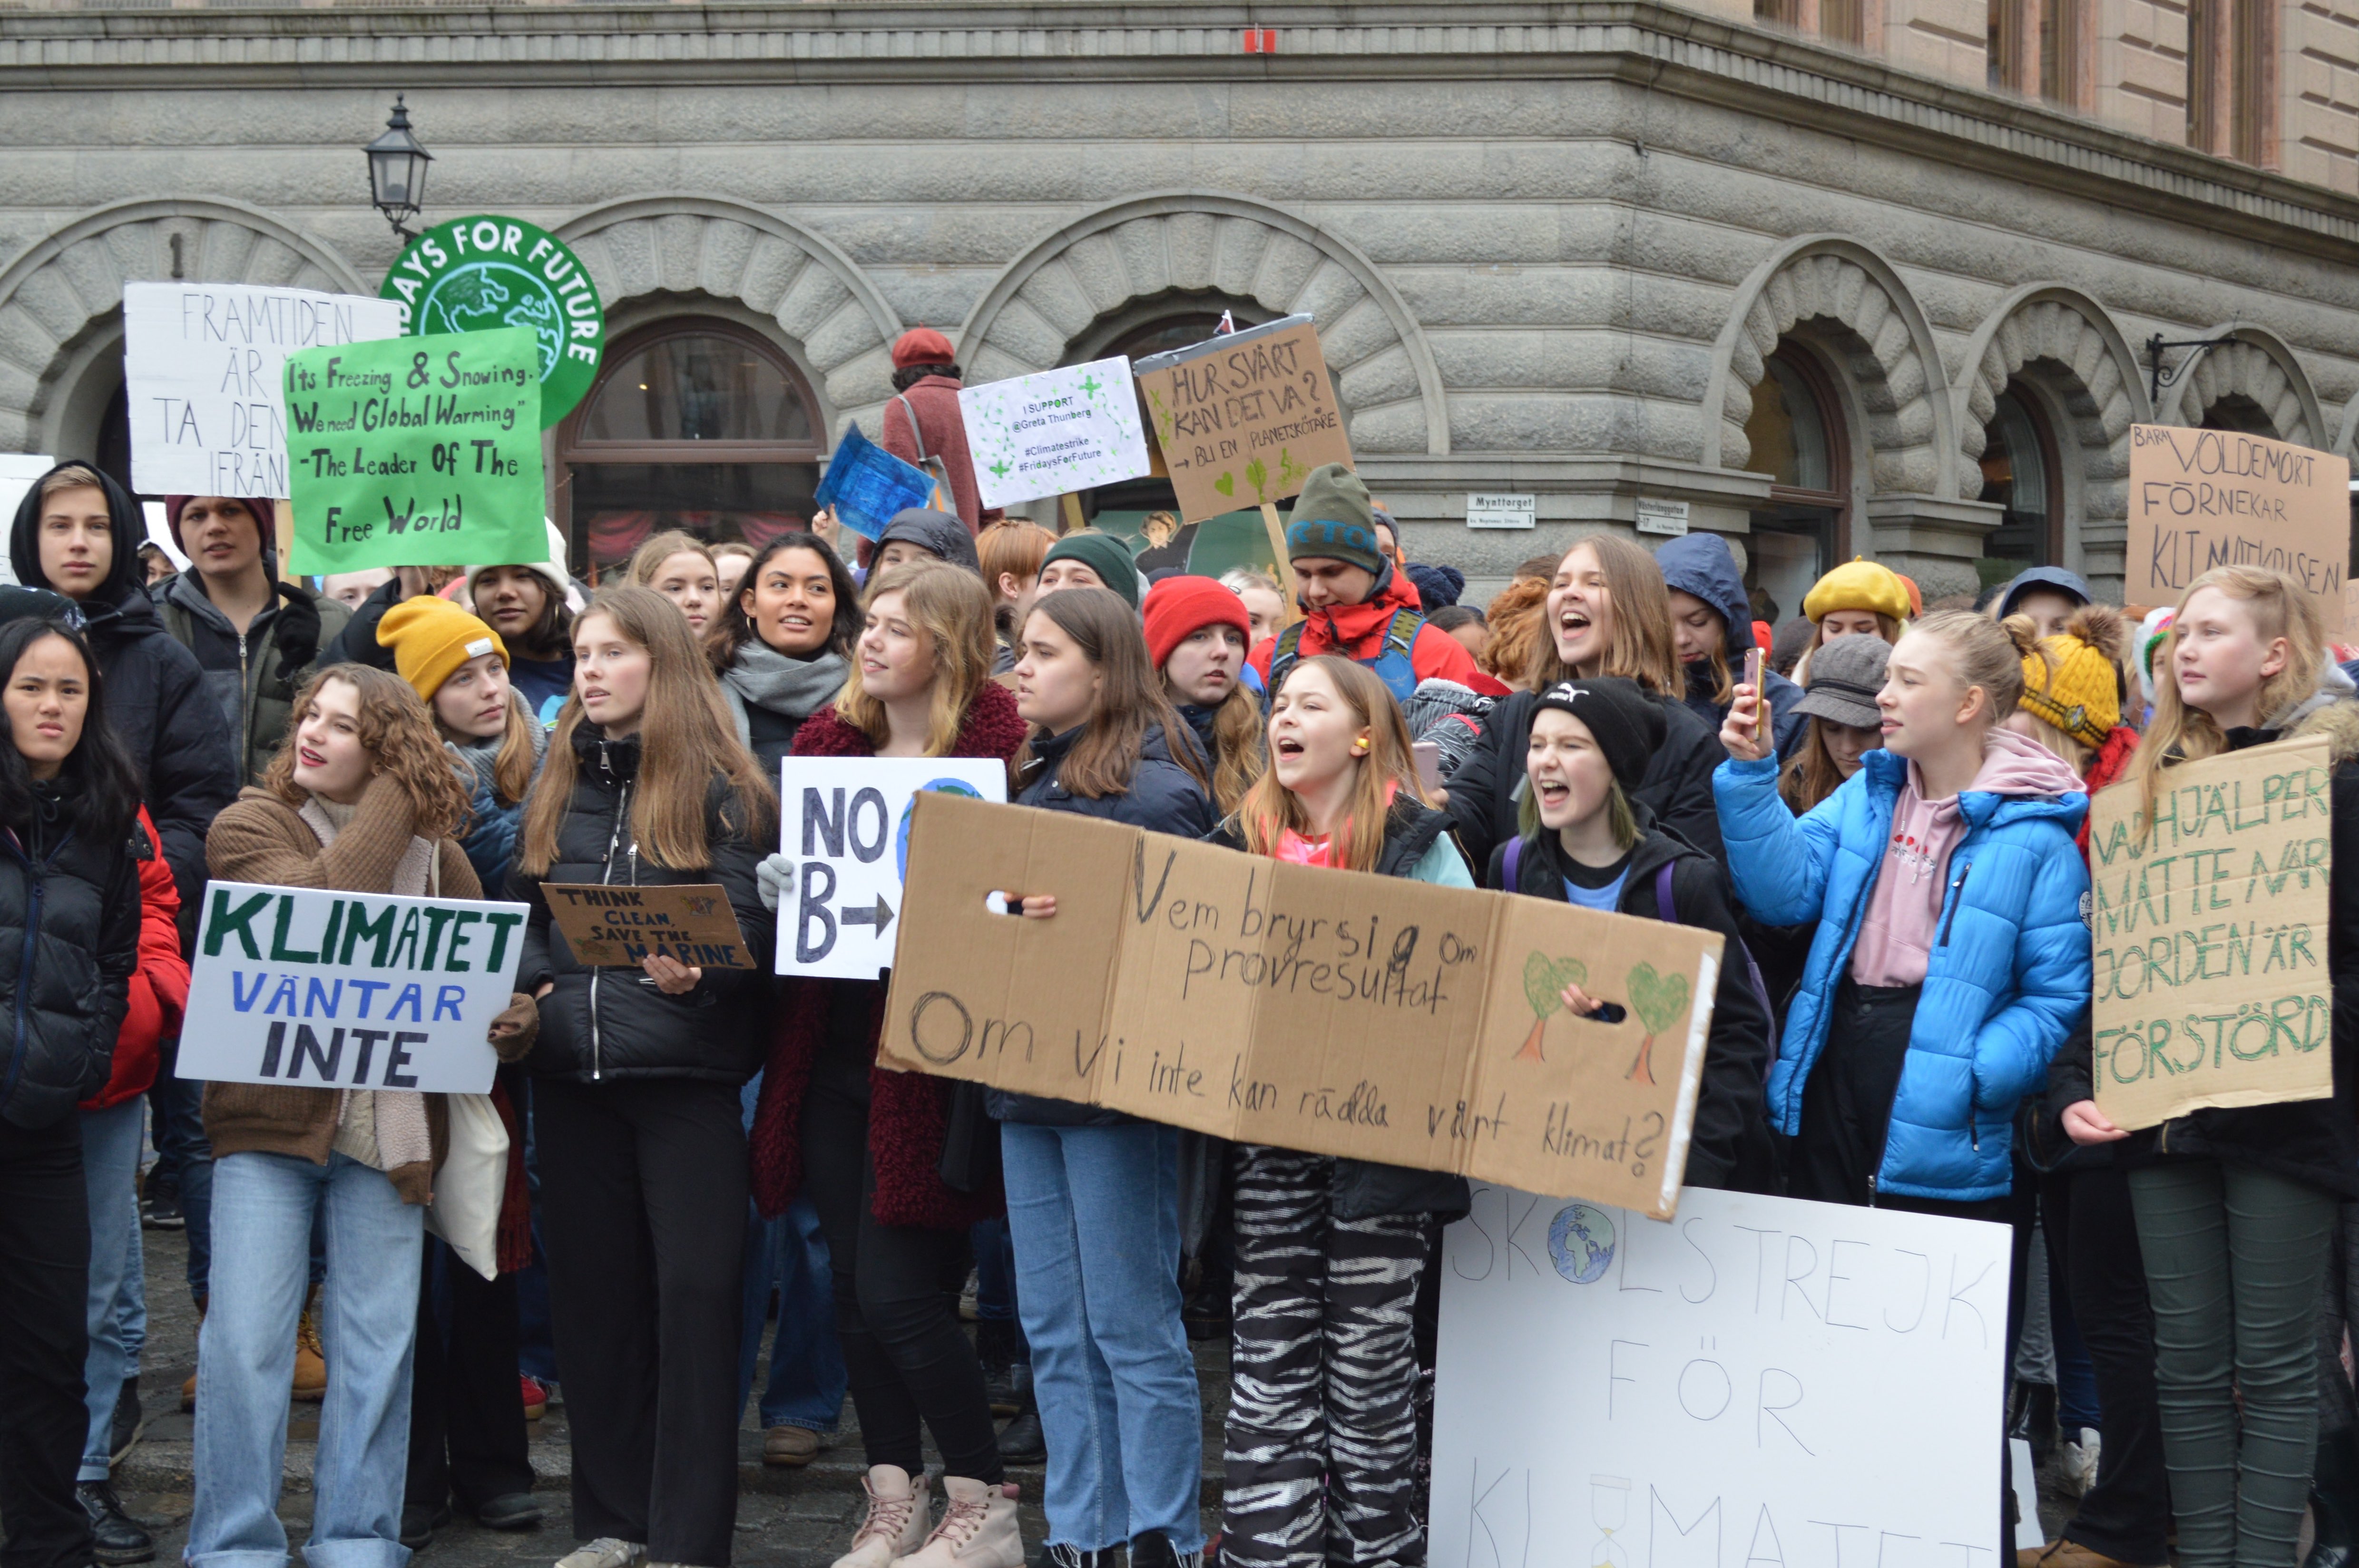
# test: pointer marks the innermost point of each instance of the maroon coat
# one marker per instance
(941, 431)
(908, 1117)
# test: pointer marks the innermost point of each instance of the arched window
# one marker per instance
(696, 424)
(2020, 472)
(1796, 435)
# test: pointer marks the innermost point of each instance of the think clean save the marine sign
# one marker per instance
(472, 275)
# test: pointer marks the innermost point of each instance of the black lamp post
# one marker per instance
(396, 166)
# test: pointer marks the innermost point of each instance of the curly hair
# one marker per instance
(397, 727)
(1517, 614)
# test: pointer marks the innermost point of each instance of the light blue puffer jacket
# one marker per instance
(2010, 972)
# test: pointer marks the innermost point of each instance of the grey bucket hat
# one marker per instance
(1845, 675)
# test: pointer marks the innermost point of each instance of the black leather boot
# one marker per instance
(1021, 1441)
(116, 1537)
(2334, 1500)
(1153, 1550)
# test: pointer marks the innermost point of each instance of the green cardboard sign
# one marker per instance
(417, 453)
(484, 272)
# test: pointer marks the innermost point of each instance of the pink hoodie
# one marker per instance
(1904, 908)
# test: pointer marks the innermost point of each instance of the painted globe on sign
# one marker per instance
(1580, 1241)
(484, 271)
(901, 838)
(475, 296)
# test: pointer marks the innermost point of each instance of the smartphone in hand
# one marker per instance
(1429, 762)
(1753, 660)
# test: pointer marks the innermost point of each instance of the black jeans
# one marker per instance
(905, 1355)
(44, 1290)
(2093, 1238)
(466, 1417)
(643, 1209)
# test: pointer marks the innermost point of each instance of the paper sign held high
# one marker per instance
(1333, 1011)
(1243, 419)
(2200, 499)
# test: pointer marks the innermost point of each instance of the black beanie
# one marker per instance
(1625, 722)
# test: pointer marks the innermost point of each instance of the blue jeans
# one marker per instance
(262, 1205)
(790, 1254)
(110, 1163)
(1094, 1214)
(184, 1160)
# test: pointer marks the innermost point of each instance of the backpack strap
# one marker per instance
(1515, 866)
(1671, 916)
(1401, 631)
(1283, 656)
(1664, 908)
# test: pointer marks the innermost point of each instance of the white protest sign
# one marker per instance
(351, 991)
(205, 367)
(845, 823)
(1059, 430)
(1718, 1390)
(18, 473)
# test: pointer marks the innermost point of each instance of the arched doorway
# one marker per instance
(694, 423)
(1797, 436)
(2022, 474)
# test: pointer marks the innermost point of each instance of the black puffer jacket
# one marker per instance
(156, 697)
(614, 1023)
(1677, 786)
(1728, 1146)
(70, 914)
(1362, 1188)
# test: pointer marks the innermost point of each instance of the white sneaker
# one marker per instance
(2081, 1460)
(606, 1552)
(978, 1529)
(896, 1525)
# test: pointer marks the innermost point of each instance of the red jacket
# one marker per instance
(941, 432)
(1357, 630)
(2108, 766)
(159, 987)
(908, 1112)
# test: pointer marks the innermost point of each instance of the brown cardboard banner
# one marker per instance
(1333, 1011)
(615, 927)
(1241, 420)
(2200, 499)
(2210, 980)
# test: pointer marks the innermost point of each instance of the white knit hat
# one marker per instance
(552, 571)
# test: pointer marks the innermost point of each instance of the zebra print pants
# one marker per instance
(1321, 1439)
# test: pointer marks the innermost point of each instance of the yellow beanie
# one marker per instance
(2080, 693)
(432, 637)
(1858, 584)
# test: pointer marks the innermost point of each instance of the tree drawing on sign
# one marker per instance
(1257, 476)
(1661, 1001)
(1544, 982)
(1291, 474)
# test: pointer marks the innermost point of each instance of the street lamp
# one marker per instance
(397, 165)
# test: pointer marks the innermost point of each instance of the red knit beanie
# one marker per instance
(1177, 606)
(265, 516)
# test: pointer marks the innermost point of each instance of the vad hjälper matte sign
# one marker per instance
(329, 990)
(845, 823)
(483, 273)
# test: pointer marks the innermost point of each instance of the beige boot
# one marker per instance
(189, 1389)
(978, 1529)
(311, 1359)
(896, 1525)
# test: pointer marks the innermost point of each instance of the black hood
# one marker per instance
(130, 532)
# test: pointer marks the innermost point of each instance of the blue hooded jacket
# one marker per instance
(2010, 972)
(1699, 564)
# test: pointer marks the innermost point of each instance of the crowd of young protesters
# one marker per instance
(1883, 814)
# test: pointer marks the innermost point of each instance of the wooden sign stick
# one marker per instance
(1277, 548)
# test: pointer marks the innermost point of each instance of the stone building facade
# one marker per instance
(1842, 276)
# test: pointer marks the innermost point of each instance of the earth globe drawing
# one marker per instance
(1580, 1241)
(481, 295)
(901, 837)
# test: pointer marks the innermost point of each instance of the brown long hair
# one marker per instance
(1640, 646)
(513, 765)
(1811, 775)
(1386, 773)
(397, 727)
(2182, 734)
(1516, 615)
(951, 609)
(686, 737)
(1237, 745)
(1130, 697)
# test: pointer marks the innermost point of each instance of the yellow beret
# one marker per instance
(432, 637)
(1858, 584)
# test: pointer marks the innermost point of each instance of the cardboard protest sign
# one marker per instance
(845, 821)
(2200, 499)
(1059, 430)
(488, 273)
(615, 927)
(1243, 419)
(204, 372)
(2210, 936)
(866, 485)
(1720, 1391)
(416, 451)
(351, 991)
(1333, 1011)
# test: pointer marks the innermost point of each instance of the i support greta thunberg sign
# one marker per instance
(2210, 936)
(348, 990)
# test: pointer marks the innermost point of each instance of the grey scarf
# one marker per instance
(761, 677)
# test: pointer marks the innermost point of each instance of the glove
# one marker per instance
(515, 1027)
(776, 875)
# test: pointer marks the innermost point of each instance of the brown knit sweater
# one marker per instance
(261, 840)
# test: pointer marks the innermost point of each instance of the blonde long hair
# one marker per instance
(951, 610)
(2180, 733)
(1238, 741)
(1386, 773)
(1640, 646)
(685, 739)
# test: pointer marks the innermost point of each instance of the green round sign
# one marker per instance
(471, 275)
